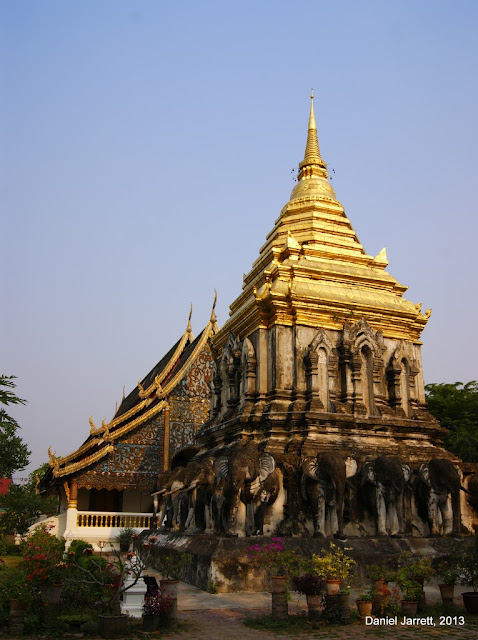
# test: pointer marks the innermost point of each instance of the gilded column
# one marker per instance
(71, 491)
(166, 425)
(73, 494)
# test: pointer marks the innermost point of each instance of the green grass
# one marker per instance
(292, 624)
(11, 561)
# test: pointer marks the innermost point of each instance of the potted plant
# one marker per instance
(19, 592)
(283, 564)
(379, 574)
(124, 537)
(74, 621)
(156, 608)
(334, 567)
(170, 565)
(412, 593)
(311, 586)
(151, 611)
(468, 571)
(15, 591)
(418, 569)
(449, 573)
(343, 601)
(113, 579)
(365, 601)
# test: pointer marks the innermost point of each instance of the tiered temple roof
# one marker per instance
(144, 403)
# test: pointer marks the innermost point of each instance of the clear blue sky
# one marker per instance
(146, 151)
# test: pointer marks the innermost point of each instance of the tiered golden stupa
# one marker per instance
(313, 271)
(321, 348)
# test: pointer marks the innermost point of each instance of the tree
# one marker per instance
(456, 407)
(23, 505)
(14, 453)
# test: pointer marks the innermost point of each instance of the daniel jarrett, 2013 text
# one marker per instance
(405, 621)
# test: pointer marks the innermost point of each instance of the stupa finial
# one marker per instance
(312, 155)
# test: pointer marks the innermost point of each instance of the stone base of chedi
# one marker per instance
(222, 565)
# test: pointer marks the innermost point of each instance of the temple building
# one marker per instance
(106, 484)
(303, 415)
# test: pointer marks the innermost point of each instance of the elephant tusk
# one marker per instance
(158, 493)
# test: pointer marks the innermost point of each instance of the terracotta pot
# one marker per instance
(278, 584)
(150, 622)
(470, 600)
(364, 607)
(447, 592)
(169, 588)
(332, 587)
(409, 608)
(113, 626)
(314, 605)
(343, 600)
(17, 605)
(51, 594)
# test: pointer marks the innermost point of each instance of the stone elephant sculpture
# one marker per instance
(323, 487)
(383, 483)
(198, 480)
(162, 501)
(258, 496)
(437, 492)
(473, 491)
(243, 474)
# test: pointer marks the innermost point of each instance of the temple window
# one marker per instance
(367, 378)
(405, 385)
(323, 372)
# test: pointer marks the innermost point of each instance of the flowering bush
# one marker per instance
(43, 558)
(274, 556)
(380, 571)
(334, 565)
(415, 567)
(411, 589)
(309, 584)
(157, 605)
(448, 571)
(111, 578)
(366, 594)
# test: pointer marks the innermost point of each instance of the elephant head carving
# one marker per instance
(438, 496)
(198, 482)
(246, 473)
(383, 483)
(163, 497)
(323, 487)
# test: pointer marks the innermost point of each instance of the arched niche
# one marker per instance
(405, 386)
(401, 372)
(362, 351)
(248, 371)
(366, 357)
(230, 374)
(321, 368)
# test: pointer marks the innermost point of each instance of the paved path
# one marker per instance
(206, 616)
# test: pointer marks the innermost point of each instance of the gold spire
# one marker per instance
(312, 157)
